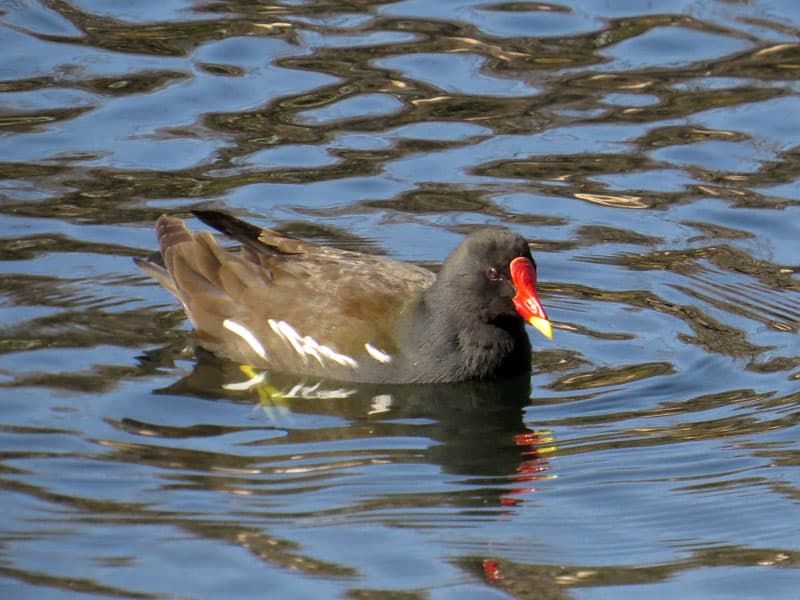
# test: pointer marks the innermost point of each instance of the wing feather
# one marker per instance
(335, 301)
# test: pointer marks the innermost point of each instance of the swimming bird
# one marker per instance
(288, 305)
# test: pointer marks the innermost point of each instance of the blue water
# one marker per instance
(649, 152)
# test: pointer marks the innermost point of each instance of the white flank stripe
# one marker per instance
(378, 355)
(247, 335)
(290, 335)
(307, 346)
(341, 359)
(310, 346)
(274, 325)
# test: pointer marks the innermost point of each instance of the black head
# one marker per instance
(492, 275)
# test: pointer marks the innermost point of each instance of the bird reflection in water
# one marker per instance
(474, 429)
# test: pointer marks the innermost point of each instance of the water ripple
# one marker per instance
(649, 153)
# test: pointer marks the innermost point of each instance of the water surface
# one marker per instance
(649, 151)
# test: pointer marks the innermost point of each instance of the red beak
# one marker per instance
(526, 302)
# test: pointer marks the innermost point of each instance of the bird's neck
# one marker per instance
(465, 344)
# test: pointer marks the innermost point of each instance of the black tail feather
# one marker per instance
(247, 234)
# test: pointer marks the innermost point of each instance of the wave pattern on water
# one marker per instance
(649, 151)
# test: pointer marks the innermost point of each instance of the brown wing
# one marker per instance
(287, 293)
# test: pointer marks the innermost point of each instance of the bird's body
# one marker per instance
(293, 306)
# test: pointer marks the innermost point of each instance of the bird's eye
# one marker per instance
(493, 274)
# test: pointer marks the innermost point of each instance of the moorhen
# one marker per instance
(294, 306)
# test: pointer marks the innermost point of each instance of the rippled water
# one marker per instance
(649, 150)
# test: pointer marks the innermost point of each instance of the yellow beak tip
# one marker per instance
(542, 326)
